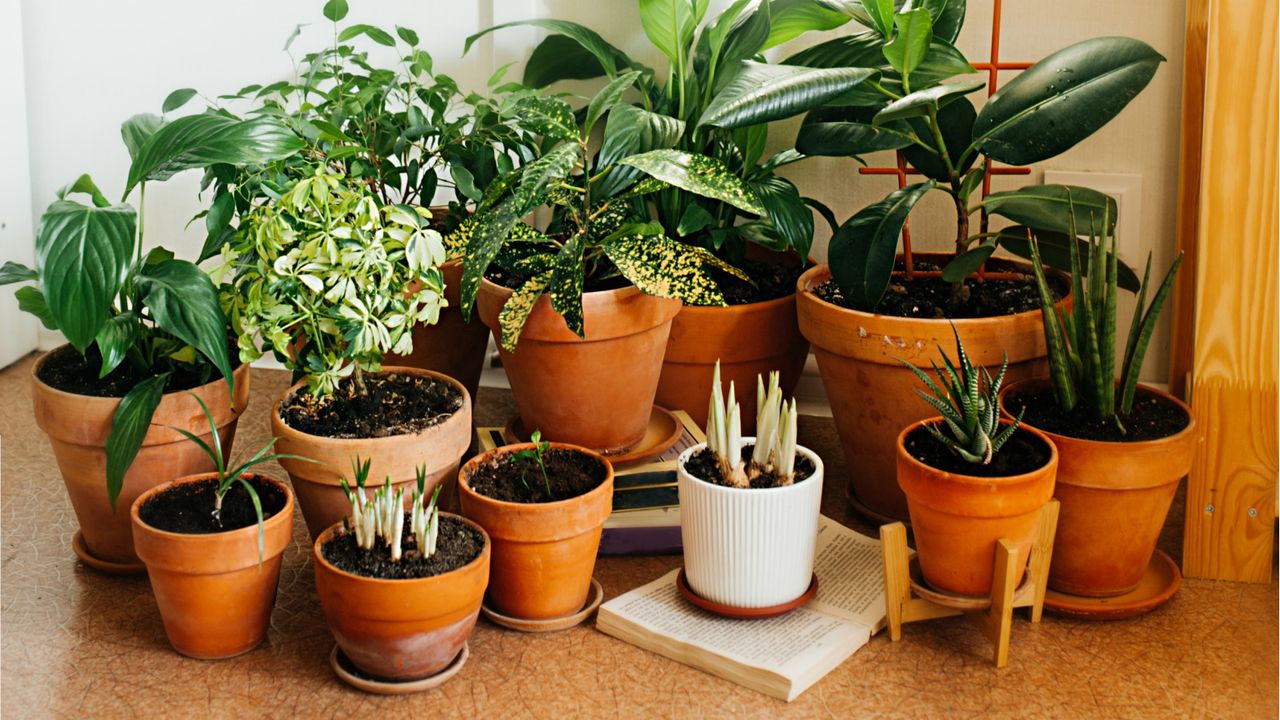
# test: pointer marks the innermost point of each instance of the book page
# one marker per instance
(850, 575)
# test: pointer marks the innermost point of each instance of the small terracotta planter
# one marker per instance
(957, 519)
(543, 553)
(78, 426)
(401, 629)
(872, 394)
(214, 597)
(1115, 496)
(318, 484)
(596, 391)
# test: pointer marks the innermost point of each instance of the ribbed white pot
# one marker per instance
(745, 547)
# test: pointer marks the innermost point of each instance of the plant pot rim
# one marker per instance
(465, 472)
(819, 471)
(249, 531)
(741, 307)
(961, 478)
(333, 529)
(51, 390)
(624, 291)
(1175, 438)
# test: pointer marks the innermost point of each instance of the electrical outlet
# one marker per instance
(1127, 191)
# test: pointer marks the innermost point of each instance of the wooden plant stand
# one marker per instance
(908, 599)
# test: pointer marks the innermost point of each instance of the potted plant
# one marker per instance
(400, 596)
(868, 306)
(971, 477)
(322, 277)
(749, 520)
(212, 544)
(717, 100)
(1124, 446)
(141, 325)
(544, 505)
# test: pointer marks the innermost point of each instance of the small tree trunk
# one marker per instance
(960, 291)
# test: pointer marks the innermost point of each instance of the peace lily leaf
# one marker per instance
(1056, 253)
(662, 267)
(863, 250)
(184, 303)
(910, 43)
(198, 141)
(956, 122)
(712, 39)
(761, 93)
(789, 19)
(630, 130)
(606, 57)
(917, 104)
(847, 131)
(880, 14)
(13, 272)
(1047, 207)
(546, 116)
(177, 99)
(516, 311)
(608, 97)
(786, 211)
(699, 175)
(31, 300)
(137, 130)
(694, 220)
(129, 427)
(746, 38)
(1064, 99)
(114, 340)
(858, 50)
(669, 25)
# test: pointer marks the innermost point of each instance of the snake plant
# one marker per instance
(775, 447)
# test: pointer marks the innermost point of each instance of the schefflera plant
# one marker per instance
(775, 445)
(381, 517)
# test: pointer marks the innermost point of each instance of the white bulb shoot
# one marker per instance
(382, 516)
(776, 422)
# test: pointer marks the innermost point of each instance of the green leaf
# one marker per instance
(537, 72)
(847, 131)
(184, 303)
(918, 103)
(628, 131)
(13, 272)
(699, 175)
(956, 122)
(607, 98)
(761, 93)
(861, 49)
(177, 99)
(137, 130)
(546, 116)
(1063, 99)
(335, 10)
(31, 300)
(880, 12)
(786, 211)
(948, 18)
(863, 250)
(115, 339)
(1049, 207)
(910, 44)
(694, 220)
(217, 223)
(968, 262)
(565, 286)
(382, 37)
(407, 35)
(789, 19)
(942, 62)
(517, 308)
(1056, 253)
(465, 181)
(84, 184)
(1137, 346)
(669, 25)
(129, 427)
(208, 139)
(745, 39)
(663, 267)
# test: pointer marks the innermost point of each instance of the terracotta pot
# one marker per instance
(214, 597)
(401, 629)
(872, 394)
(452, 346)
(1115, 496)
(596, 391)
(543, 553)
(318, 484)
(78, 425)
(957, 519)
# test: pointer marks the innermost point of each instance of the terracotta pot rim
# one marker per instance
(1175, 438)
(333, 529)
(465, 472)
(51, 390)
(962, 479)
(250, 531)
(819, 470)
(741, 307)
(625, 291)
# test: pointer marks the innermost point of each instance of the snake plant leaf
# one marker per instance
(630, 130)
(786, 211)
(663, 267)
(1134, 356)
(1050, 207)
(910, 43)
(863, 250)
(31, 300)
(184, 303)
(608, 97)
(1056, 253)
(847, 131)
(762, 93)
(1060, 375)
(516, 311)
(115, 339)
(565, 285)
(789, 19)
(549, 117)
(129, 427)
(698, 174)
(918, 103)
(670, 25)
(555, 60)
(1064, 99)
(197, 141)
(955, 120)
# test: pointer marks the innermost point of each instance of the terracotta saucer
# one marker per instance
(951, 600)
(594, 597)
(756, 613)
(359, 680)
(664, 431)
(1161, 581)
(104, 566)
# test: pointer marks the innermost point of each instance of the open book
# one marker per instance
(779, 656)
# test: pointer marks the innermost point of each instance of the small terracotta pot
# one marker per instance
(78, 426)
(543, 553)
(1115, 496)
(596, 391)
(957, 519)
(401, 629)
(872, 394)
(214, 597)
(318, 484)
(452, 346)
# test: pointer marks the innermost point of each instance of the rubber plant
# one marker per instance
(912, 105)
(94, 283)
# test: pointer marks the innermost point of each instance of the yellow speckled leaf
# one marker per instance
(518, 307)
(665, 268)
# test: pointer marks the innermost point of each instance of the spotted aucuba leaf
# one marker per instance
(663, 267)
(529, 264)
(698, 174)
(565, 287)
(514, 314)
(455, 243)
(546, 116)
(646, 186)
(609, 216)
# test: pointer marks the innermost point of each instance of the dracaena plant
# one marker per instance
(1081, 343)
(94, 283)
(912, 105)
(774, 451)
(380, 519)
(715, 98)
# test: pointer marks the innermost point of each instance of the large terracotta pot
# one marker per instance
(318, 484)
(596, 391)
(873, 395)
(401, 629)
(543, 553)
(1114, 496)
(957, 519)
(214, 592)
(78, 426)
(452, 346)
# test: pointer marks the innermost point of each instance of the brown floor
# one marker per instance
(80, 644)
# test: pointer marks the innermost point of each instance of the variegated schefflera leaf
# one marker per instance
(514, 314)
(660, 266)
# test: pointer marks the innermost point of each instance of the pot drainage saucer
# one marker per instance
(594, 597)
(360, 680)
(737, 613)
(105, 566)
(664, 431)
(1158, 584)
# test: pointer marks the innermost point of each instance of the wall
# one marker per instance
(16, 327)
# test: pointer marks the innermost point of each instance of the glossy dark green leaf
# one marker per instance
(378, 35)
(863, 250)
(129, 427)
(948, 17)
(31, 300)
(85, 185)
(968, 262)
(335, 10)
(699, 175)
(786, 211)
(201, 140)
(218, 220)
(880, 13)
(115, 338)
(695, 219)
(956, 122)
(910, 42)
(607, 98)
(761, 93)
(177, 99)
(137, 130)
(918, 103)
(465, 182)
(847, 131)
(789, 19)
(183, 302)
(669, 25)
(606, 56)
(1056, 253)
(861, 49)
(746, 38)
(942, 62)
(631, 130)
(711, 40)
(13, 272)
(1048, 207)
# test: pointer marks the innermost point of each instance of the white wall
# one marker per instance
(18, 329)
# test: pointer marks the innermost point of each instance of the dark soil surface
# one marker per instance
(69, 371)
(705, 466)
(511, 479)
(930, 297)
(457, 545)
(188, 508)
(1023, 453)
(1152, 418)
(772, 281)
(513, 281)
(395, 404)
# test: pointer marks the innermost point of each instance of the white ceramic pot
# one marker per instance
(749, 548)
